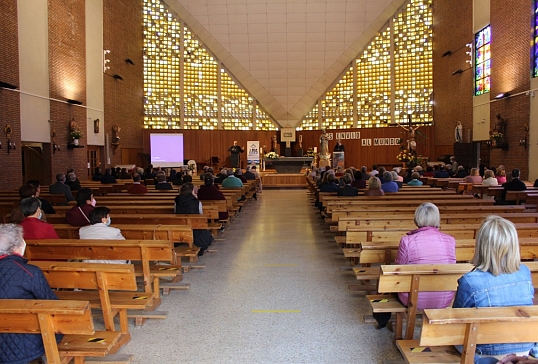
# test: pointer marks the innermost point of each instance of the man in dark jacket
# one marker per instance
(19, 280)
(187, 203)
(514, 185)
(60, 188)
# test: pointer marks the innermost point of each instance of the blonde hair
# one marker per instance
(497, 247)
(374, 183)
(474, 172)
(489, 173)
(427, 214)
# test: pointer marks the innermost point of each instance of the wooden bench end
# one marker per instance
(414, 353)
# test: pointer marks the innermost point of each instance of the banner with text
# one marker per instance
(253, 152)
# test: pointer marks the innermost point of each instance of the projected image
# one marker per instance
(166, 150)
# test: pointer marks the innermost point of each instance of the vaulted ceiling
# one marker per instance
(286, 53)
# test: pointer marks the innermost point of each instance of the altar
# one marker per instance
(289, 164)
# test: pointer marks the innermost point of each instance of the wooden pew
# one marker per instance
(385, 252)
(444, 328)
(109, 287)
(356, 236)
(385, 211)
(446, 219)
(415, 278)
(174, 233)
(466, 200)
(195, 221)
(47, 317)
(145, 251)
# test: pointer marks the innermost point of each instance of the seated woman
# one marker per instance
(374, 187)
(501, 174)
(210, 192)
(425, 245)
(331, 185)
(358, 181)
(20, 280)
(473, 177)
(187, 203)
(415, 180)
(498, 279)
(347, 189)
(389, 185)
(79, 215)
(489, 178)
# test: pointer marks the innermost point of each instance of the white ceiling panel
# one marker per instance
(285, 51)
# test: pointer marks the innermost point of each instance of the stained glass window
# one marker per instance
(483, 61)
(393, 77)
(535, 72)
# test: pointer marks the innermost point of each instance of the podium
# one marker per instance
(338, 160)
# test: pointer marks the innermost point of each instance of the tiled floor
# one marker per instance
(273, 293)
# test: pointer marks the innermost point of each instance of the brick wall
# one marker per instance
(67, 59)
(9, 100)
(123, 36)
(453, 95)
(511, 64)
(452, 29)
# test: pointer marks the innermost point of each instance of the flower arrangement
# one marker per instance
(191, 167)
(496, 135)
(272, 155)
(76, 134)
(405, 156)
(309, 153)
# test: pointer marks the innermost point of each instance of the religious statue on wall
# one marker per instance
(323, 145)
(458, 132)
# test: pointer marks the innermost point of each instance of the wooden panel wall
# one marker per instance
(201, 145)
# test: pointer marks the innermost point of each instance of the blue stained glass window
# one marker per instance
(483, 61)
(535, 71)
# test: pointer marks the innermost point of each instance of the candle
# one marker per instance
(315, 149)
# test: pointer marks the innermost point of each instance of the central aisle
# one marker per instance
(272, 293)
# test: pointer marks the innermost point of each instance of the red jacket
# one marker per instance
(137, 188)
(37, 229)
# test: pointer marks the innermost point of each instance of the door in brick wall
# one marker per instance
(94, 159)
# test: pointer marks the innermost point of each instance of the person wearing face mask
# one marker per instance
(79, 215)
(20, 280)
(34, 227)
(100, 229)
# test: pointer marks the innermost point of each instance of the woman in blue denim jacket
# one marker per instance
(497, 280)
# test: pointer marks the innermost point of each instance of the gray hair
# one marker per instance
(10, 238)
(394, 175)
(427, 214)
(497, 247)
(387, 176)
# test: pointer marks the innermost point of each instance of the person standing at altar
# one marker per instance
(338, 147)
(235, 156)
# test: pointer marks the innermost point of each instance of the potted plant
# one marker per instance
(76, 135)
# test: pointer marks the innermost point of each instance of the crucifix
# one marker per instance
(411, 142)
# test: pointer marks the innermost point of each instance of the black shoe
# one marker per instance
(201, 252)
